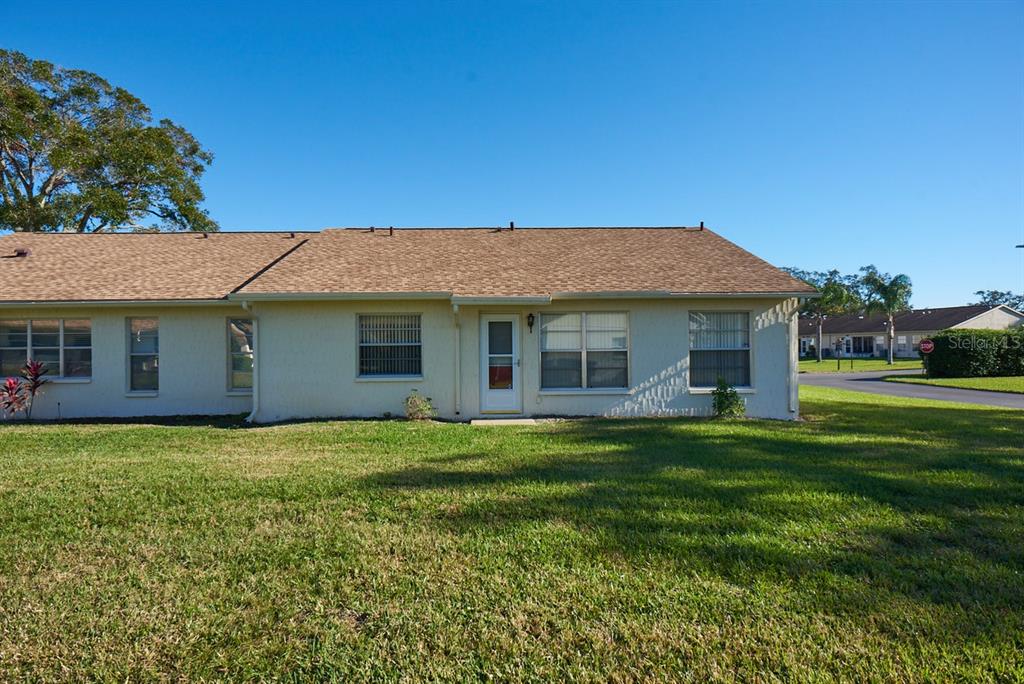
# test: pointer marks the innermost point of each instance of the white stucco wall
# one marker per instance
(308, 360)
(193, 363)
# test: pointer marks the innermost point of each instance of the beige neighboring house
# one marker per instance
(865, 336)
(349, 322)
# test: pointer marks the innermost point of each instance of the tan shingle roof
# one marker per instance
(486, 262)
(537, 262)
(134, 266)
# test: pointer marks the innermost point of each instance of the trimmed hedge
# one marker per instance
(976, 354)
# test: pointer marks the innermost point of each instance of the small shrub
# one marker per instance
(419, 408)
(727, 401)
(976, 354)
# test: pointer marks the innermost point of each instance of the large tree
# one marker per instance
(997, 297)
(80, 155)
(886, 294)
(839, 294)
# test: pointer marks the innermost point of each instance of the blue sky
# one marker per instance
(820, 135)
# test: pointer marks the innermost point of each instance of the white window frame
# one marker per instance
(59, 376)
(129, 354)
(230, 354)
(384, 377)
(583, 357)
(706, 389)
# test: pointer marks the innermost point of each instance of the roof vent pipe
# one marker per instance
(391, 230)
(22, 251)
(702, 225)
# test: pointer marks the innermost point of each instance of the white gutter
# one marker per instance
(458, 359)
(335, 296)
(515, 299)
(251, 418)
(471, 300)
(665, 294)
(235, 298)
(108, 303)
(792, 379)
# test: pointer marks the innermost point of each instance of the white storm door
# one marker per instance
(499, 365)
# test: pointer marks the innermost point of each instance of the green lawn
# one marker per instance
(1008, 384)
(879, 540)
(859, 365)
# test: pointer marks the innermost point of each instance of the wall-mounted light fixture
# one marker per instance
(530, 320)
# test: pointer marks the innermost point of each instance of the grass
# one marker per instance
(859, 365)
(878, 540)
(1013, 384)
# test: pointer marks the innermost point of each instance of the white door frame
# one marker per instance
(500, 400)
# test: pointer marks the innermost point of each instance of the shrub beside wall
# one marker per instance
(976, 354)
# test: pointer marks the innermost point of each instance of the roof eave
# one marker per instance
(332, 296)
(40, 303)
(510, 299)
(665, 294)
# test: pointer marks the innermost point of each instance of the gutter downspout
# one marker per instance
(251, 418)
(458, 359)
(792, 379)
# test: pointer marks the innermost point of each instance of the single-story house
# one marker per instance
(349, 322)
(862, 336)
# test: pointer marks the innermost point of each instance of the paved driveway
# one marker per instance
(873, 383)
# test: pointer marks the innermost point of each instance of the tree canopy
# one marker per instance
(996, 297)
(840, 293)
(885, 293)
(80, 155)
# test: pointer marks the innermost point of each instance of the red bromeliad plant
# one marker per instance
(18, 394)
(12, 397)
(32, 374)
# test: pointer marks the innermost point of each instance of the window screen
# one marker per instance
(390, 344)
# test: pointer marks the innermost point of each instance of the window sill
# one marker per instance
(141, 395)
(389, 378)
(709, 390)
(238, 393)
(69, 381)
(597, 391)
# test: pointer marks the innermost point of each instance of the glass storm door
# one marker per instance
(499, 365)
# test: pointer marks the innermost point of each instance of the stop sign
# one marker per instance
(927, 346)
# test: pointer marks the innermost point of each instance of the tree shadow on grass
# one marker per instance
(861, 505)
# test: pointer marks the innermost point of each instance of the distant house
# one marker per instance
(349, 322)
(865, 336)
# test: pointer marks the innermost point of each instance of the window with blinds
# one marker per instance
(584, 350)
(143, 354)
(240, 354)
(64, 346)
(719, 348)
(390, 345)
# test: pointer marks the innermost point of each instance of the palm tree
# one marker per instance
(886, 294)
(837, 296)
